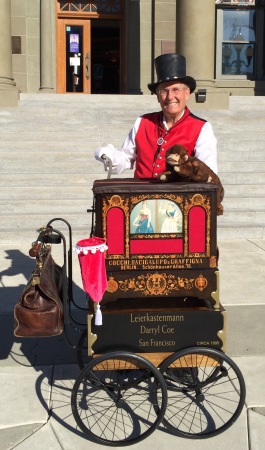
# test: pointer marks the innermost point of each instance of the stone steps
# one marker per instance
(44, 179)
(244, 204)
(249, 217)
(243, 178)
(82, 190)
(231, 231)
(21, 214)
(241, 190)
(240, 155)
(57, 178)
(48, 167)
(38, 205)
(35, 203)
(248, 104)
(242, 166)
(65, 157)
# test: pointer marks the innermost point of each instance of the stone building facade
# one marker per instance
(108, 46)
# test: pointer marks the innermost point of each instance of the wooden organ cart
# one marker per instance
(159, 354)
(158, 357)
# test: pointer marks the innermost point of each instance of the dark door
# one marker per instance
(105, 57)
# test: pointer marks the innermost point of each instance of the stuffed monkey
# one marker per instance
(181, 166)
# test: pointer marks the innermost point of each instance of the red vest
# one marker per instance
(150, 159)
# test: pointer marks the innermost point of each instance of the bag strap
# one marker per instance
(40, 250)
(38, 246)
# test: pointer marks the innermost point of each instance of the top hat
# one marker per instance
(171, 67)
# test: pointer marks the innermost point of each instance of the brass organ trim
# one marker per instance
(120, 201)
(203, 201)
(91, 337)
(215, 295)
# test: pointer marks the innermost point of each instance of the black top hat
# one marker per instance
(171, 67)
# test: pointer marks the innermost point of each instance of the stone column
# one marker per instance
(46, 75)
(195, 38)
(8, 91)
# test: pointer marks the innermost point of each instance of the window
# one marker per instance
(96, 6)
(236, 43)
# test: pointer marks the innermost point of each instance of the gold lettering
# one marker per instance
(155, 264)
(148, 330)
(166, 329)
(147, 317)
(143, 343)
(164, 343)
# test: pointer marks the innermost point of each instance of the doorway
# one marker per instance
(89, 56)
(105, 57)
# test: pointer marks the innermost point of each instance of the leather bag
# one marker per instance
(39, 313)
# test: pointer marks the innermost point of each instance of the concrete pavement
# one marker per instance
(37, 376)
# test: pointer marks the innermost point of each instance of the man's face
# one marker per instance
(172, 97)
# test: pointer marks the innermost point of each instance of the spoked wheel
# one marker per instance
(114, 399)
(206, 392)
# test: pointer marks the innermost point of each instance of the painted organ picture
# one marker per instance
(156, 216)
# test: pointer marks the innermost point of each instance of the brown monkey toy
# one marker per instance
(181, 166)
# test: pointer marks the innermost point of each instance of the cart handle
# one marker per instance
(107, 165)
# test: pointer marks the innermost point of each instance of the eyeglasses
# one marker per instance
(174, 91)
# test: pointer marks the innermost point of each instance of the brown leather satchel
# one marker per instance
(39, 313)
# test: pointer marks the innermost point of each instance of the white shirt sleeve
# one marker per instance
(206, 147)
(123, 158)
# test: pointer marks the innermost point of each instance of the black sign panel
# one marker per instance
(167, 331)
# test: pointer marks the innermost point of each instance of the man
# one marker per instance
(154, 133)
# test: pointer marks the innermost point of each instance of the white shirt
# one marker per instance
(124, 158)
